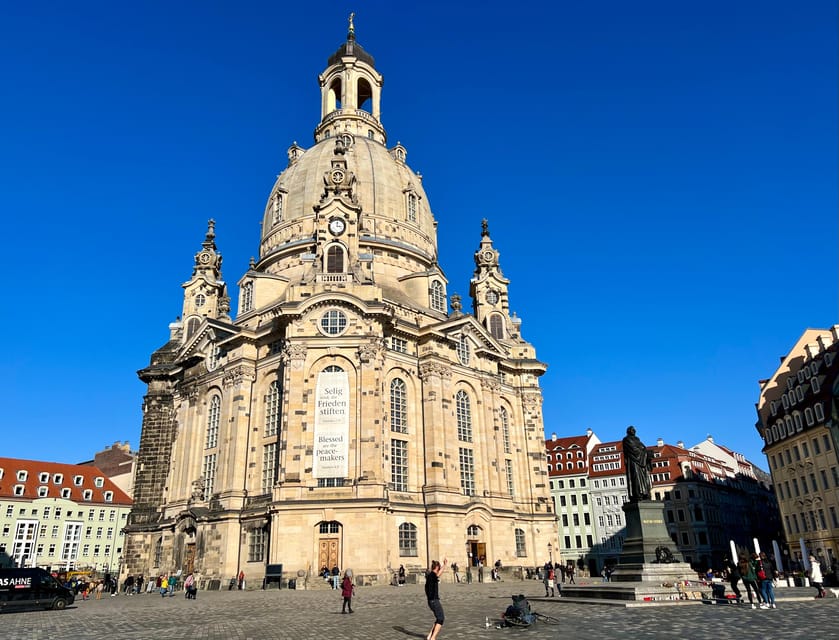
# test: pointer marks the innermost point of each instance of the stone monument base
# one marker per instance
(649, 567)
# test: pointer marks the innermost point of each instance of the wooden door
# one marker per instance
(189, 559)
(328, 553)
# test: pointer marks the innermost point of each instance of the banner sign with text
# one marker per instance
(332, 425)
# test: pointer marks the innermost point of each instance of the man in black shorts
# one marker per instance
(432, 592)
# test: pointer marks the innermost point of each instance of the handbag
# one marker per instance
(761, 574)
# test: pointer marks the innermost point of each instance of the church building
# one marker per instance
(350, 414)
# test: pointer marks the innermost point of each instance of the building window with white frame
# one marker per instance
(272, 410)
(209, 472)
(508, 472)
(407, 539)
(256, 545)
(463, 413)
(247, 296)
(505, 428)
(466, 457)
(213, 422)
(398, 406)
(521, 547)
(277, 209)
(464, 352)
(269, 466)
(399, 465)
(412, 207)
(438, 297)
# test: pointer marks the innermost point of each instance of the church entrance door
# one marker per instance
(328, 553)
(189, 559)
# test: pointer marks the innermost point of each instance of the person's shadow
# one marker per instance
(409, 633)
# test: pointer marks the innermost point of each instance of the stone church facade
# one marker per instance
(350, 414)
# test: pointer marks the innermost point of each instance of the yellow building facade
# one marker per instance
(351, 415)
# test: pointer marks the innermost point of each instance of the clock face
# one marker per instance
(204, 257)
(488, 255)
(337, 226)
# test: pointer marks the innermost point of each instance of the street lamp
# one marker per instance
(550, 553)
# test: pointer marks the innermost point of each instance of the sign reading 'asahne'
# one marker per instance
(332, 425)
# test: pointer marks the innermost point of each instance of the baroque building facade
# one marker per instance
(798, 419)
(348, 416)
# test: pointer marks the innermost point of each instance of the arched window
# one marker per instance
(334, 96)
(463, 411)
(277, 210)
(364, 95)
(407, 539)
(158, 552)
(412, 207)
(473, 531)
(335, 259)
(272, 410)
(438, 298)
(496, 326)
(247, 297)
(333, 368)
(463, 351)
(505, 428)
(192, 327)
(329, 527)
(213, 419)
(521, 549)
(398, 406)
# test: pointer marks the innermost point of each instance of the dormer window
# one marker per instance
(65, 493)
(22, 475)
(247, 296)
(58, 478)
(77, 480)
(43, 477)
(109, 496)
(277, 209)
(412, 206)
(18, 491)
(43, 492)
(99, 481)
(437, 296)
(87, 494)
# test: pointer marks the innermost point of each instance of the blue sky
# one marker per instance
(659, 177)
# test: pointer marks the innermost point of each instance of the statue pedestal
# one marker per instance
(641, 574)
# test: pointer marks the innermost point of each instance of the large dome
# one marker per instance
(394, 210)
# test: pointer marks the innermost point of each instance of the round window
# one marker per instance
(333, 322)
(200, 300)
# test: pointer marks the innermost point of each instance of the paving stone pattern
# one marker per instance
(401, 613)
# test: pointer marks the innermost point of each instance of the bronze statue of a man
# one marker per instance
(638, 461)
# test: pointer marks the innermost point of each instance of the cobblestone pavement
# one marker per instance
(401, 613)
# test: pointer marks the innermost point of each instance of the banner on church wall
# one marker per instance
(332, 425)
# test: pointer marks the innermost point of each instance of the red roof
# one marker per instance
(54, 478)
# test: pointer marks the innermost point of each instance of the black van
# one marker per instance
(21, 588)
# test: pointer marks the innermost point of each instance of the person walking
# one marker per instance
(456, 572)
(733, 578)
(164, 585)
(748, 575)
(547, 570)
(432, 593)
(766, 575)
(347, 591)
(816, 578)
(569, 571)
(481, 569)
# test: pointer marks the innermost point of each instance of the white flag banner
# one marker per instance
(332, 425)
